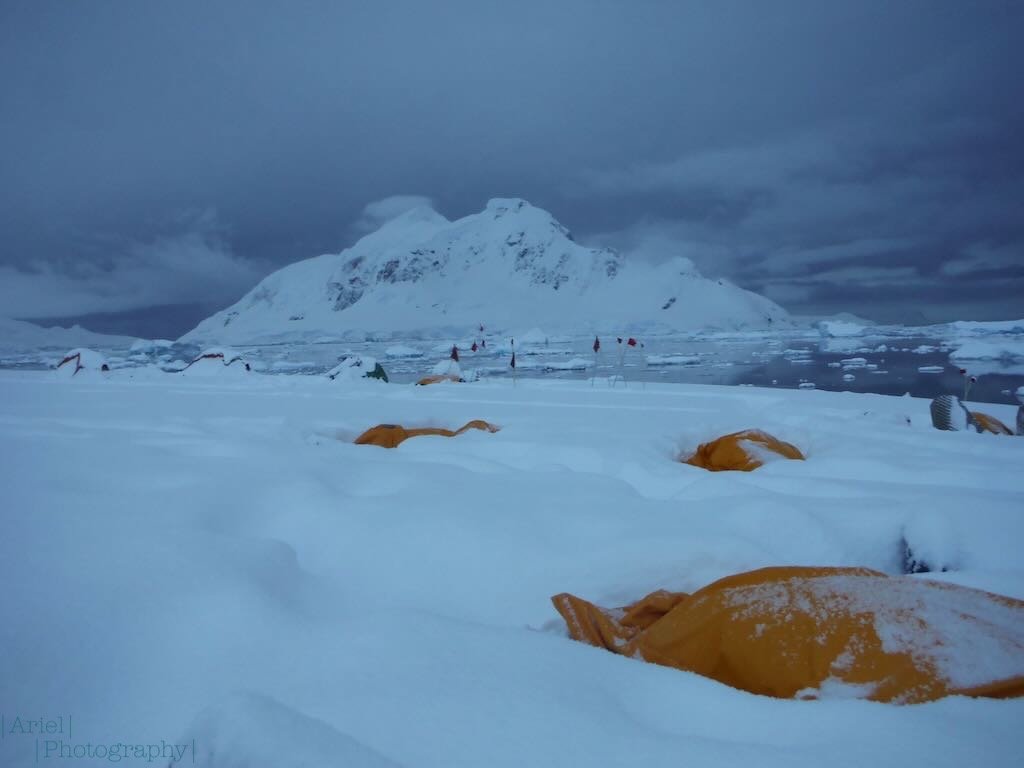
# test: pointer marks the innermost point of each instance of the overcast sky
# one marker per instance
(837, 155)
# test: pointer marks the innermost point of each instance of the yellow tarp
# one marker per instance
(438, 379)
(991, 424)
(744, 451)
(797, 632)
(390, 435)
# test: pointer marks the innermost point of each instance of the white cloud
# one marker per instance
(194, 266)
(380, 212)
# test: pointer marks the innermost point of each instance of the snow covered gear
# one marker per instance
(801, 632)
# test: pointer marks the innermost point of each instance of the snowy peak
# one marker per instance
(510, 239)
(510, 265)
(418, 222)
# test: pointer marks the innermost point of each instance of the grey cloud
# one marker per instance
(190, 266)
(766, 141)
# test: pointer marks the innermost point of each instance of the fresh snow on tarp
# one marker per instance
(942, 634)
(421, 274)
(448, 367)
(168, 542)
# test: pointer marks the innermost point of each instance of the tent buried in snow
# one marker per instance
(744, 451)
(81, 361)
(391, 435)
(353, 367)
(799, 632)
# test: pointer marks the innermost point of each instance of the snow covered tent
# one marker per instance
(81, 361)
(446, 370)
(214, 362)
(358, 367)
(991, 424)
(390, 435)
(950, 414)
(743, 451)
(803, 632)
(438, 379)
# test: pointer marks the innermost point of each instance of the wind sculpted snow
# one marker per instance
(213, 559)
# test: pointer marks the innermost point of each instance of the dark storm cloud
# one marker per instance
(830, 154)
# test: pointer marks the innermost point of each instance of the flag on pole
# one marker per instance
(513, 353)
(597, 344)
(631, 342)
(513, 360)
(474, 347)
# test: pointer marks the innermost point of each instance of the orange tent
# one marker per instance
(986, 423)
(795, 632)
(438, 379)
(390, 435)
(745, 450)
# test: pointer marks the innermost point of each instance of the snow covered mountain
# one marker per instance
(511, 266)
(19, 334)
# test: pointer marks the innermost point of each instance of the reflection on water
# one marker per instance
(881, 364)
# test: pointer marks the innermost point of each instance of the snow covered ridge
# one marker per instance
(508, 265)
(18, 334)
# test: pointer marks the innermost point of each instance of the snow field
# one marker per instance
(212, 559)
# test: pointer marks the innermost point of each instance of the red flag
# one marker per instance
(455, 353)
(597, 344)
(474, 347)
(631, 342)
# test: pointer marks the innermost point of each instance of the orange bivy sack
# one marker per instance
(799, 632)
(438, 379)
(391, 435)
(743, 451)
(990, 424)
